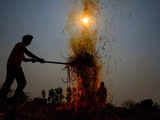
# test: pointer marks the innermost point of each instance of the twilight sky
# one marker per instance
(135, 29)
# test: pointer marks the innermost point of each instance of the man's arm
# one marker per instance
(28, 53)
(29, 60)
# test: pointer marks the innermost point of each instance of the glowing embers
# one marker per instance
(85, 71)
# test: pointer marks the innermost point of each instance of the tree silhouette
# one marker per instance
(43, 93)
(147, 103)
(56, 96)
(129, 104)
(59, 95)
(51, 95)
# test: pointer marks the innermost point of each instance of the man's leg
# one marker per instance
(21, 83)
(7, 84)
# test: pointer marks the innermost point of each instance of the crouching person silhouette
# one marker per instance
(14, 69)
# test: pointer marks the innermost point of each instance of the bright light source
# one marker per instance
(85, 20)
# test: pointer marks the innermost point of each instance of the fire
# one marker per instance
(84, 70)
(85, 20)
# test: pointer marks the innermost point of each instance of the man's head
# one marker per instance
(27, 39)
(102, 84)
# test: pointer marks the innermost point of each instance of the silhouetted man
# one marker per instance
(102, 94)
(14, 69)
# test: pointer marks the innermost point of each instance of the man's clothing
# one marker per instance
(17, 55)
(13, 72)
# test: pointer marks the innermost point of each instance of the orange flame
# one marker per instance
(85, 68)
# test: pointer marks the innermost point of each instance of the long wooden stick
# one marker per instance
(55, 62)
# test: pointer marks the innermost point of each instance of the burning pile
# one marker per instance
(84, 70)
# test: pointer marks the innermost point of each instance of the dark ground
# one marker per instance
(38, 110)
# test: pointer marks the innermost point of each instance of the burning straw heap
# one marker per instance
(84, 70)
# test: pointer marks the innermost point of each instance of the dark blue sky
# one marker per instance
(135, 29)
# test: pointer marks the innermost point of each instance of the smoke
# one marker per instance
(83, 37)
